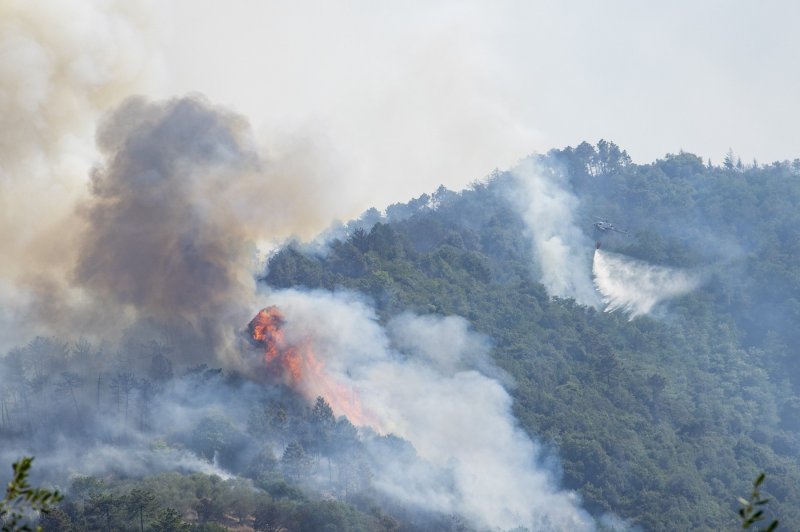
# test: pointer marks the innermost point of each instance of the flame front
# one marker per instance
(297, 366)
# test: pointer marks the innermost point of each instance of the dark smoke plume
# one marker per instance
(176, 213)
(165, 236)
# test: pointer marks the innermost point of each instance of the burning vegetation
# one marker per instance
(298, 367)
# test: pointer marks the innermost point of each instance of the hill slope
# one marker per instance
(662, 420)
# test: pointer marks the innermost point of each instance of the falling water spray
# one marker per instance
(636, 287)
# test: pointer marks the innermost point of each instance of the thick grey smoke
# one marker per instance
(63, 66)
(424, 378)
(634, 286)
(167, 225)
(169, 232)
(562, 250)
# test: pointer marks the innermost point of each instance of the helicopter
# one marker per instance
(602, 224)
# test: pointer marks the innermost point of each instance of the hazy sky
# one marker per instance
(390, 99)
(408, 95)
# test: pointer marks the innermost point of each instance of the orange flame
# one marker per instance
(298, 367)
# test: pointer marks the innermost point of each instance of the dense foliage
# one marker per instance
(660, 420)
(172, 502)
(240, 455)
(272, 462)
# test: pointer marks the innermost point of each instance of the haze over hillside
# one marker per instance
(201, 329)
(455, 345)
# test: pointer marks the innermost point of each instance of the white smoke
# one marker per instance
(425, 379)
(634, 286)
(99, 459)
(548, 208)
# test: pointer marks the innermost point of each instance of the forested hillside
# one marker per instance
(662, 420)
(658, 421)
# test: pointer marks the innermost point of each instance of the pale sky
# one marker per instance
(408, 95)
(387, 100)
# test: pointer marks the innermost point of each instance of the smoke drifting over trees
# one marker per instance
(430, 390)
(551, 213)
(445, 413)
(165, 274)
(442, 365)
(625, 399)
